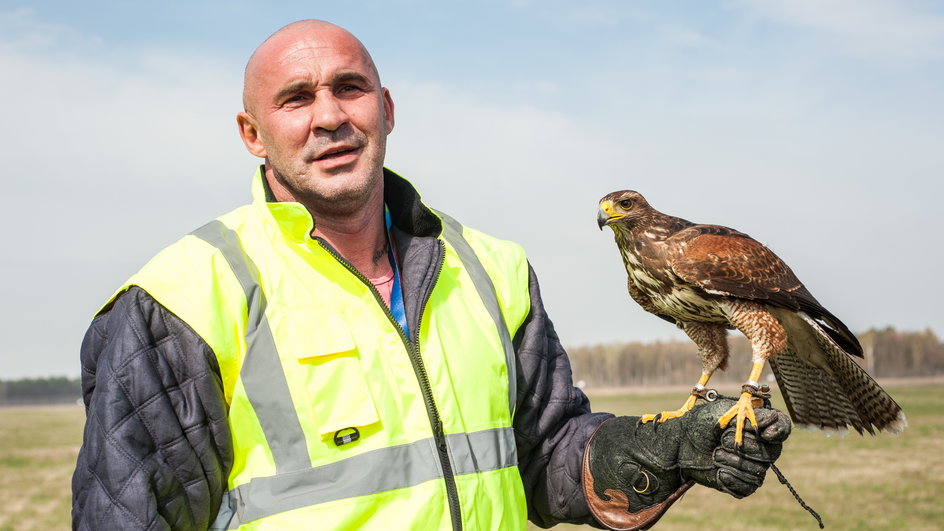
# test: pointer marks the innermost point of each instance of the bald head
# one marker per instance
(316, 112)
(281, 46)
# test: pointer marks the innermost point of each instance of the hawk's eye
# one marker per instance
(625, 204)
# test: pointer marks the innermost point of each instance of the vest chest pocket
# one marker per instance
(324, 371)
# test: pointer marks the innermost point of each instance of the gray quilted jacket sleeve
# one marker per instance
(156, 449)
(552, 422)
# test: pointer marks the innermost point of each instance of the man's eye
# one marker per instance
(296, 98)
(349, 89)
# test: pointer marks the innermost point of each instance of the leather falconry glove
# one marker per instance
(633, 472)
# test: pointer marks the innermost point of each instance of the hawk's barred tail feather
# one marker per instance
(833, 396)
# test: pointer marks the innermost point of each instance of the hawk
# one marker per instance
(708, 279)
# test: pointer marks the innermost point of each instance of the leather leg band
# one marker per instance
(705, 394)
(762, 391)
(761, 394)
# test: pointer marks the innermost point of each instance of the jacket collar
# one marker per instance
(407, 210)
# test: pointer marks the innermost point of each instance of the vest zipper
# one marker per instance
(413, 351)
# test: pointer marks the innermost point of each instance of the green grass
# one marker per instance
(884, 482)
(38, 447)
(853, 482)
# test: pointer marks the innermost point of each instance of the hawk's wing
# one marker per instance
(726, 262)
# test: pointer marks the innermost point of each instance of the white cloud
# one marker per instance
(685, 37)
(21, 29)
(869, 28)
(98, 137)
(109, 156)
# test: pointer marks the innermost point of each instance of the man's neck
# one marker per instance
(360, 239)
(359, 236)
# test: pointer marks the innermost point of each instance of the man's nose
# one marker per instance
(328, 113)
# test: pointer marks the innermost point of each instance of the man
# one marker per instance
(337, 355)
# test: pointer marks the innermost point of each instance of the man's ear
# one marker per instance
(250, 134)
(388, 110)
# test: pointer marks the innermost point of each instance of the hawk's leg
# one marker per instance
(712, 344)
(744, 409)
(689, 403)
(768, 339)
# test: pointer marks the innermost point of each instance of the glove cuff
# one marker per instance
(613, 508)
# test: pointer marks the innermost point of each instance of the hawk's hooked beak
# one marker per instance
(606, 215)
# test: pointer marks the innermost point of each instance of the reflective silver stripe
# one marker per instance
(380, 470)
(481, 451)
(262, 375)
(452, 232)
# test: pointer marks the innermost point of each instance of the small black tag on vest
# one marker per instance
(351, 434)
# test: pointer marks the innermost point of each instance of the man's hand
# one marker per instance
(633, 472)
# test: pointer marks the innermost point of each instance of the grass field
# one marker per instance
(885, 482)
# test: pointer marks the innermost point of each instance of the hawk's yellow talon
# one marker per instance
(741, 411)
(666, 415)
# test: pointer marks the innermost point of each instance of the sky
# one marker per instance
(815, 127)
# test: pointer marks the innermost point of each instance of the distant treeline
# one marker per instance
(888, 354)
(58, 390)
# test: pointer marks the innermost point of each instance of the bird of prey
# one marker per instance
(708, 279)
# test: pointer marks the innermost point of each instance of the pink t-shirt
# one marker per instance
(384, 285)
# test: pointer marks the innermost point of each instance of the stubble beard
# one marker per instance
(340, 195)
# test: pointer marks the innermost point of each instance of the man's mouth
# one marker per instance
(338, 152)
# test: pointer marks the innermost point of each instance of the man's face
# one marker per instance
(317, 113)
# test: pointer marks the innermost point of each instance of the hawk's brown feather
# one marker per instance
(724, 261)
(734, 264)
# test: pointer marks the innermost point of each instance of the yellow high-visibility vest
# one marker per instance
(338, 419)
